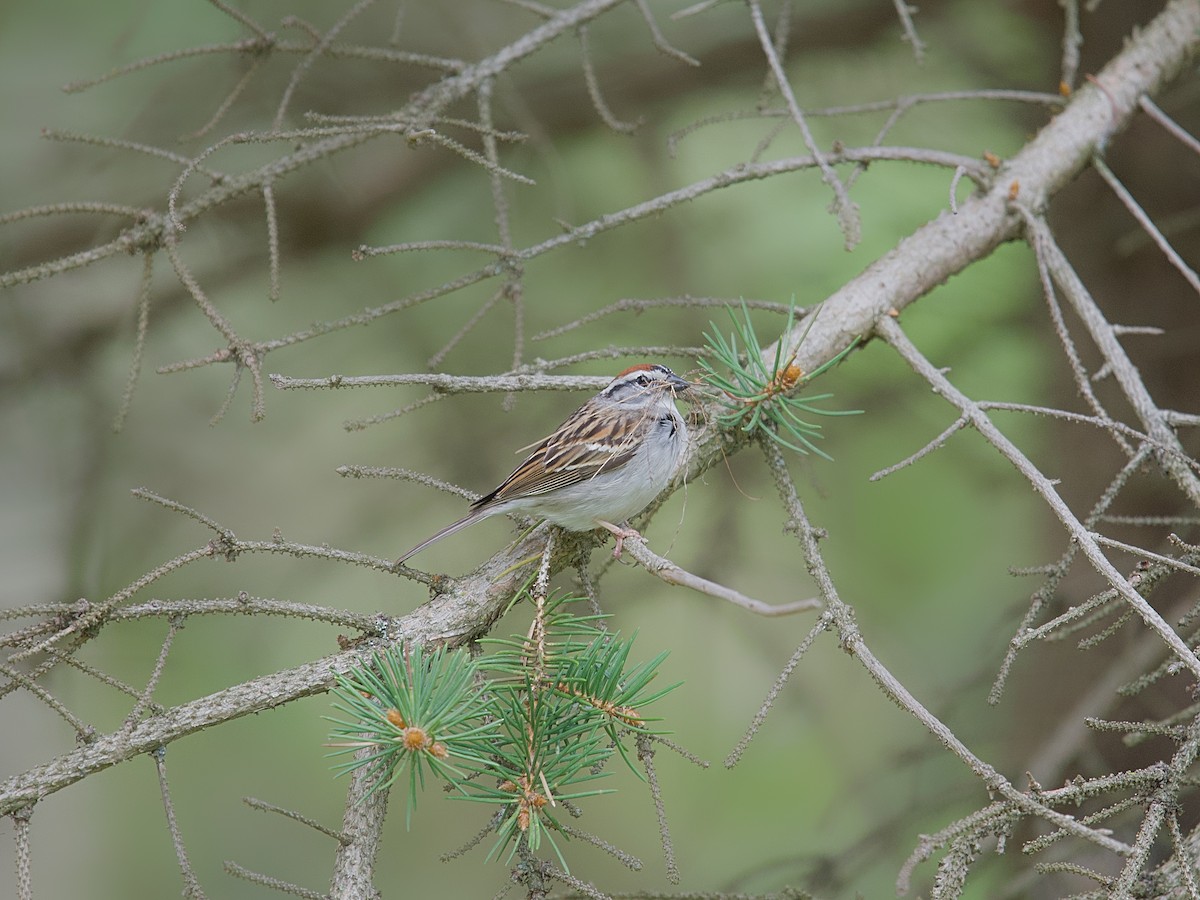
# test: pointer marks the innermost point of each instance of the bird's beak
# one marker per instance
(678, 384)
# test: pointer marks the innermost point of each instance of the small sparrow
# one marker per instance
(610, 458)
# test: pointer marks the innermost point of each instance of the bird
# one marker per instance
(605, 463)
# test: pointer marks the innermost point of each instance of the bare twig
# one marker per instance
(275, 884)
(319, 48)
(139, 346)
(191, 885)
(593, 86)
(843, 206)
(268, 192)
(145, 699)
(660, 42)
(1173, 128)
(823, 623)
(673, 574)
(454, 384)
(645, 753)
(904, 11)
(1147, 224)
(1072, 40)
(263, 806)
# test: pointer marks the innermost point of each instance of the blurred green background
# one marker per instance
(836, 788)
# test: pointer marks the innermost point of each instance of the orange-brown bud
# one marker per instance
(791, 375)
(393, 716)
(415, 739)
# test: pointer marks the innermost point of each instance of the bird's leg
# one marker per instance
(621, 533)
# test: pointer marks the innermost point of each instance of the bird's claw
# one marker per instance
(622, 535)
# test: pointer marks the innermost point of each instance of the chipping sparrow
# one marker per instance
(610, 458)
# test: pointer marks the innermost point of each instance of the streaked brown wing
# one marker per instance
(579, 449)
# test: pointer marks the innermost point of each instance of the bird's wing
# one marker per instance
(581, 448)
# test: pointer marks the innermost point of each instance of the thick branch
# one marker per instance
(362, 825)
(950, 243)
(466, 610)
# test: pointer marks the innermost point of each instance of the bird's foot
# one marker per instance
(622, 534)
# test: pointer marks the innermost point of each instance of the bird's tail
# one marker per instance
(469, 519)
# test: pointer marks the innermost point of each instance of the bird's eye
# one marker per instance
(643, 380)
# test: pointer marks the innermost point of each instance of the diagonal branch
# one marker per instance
(1154, 56)
(1154, 420)
(446, 619)
(899, 341)
(669, 572)
(841, 615)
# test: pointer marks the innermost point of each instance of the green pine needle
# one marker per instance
(757, 396)
(501, 729)
(415, 711)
